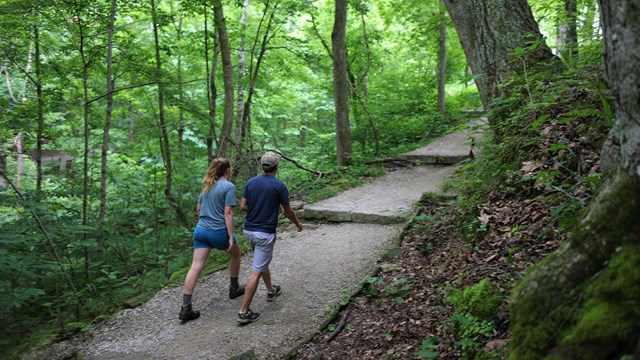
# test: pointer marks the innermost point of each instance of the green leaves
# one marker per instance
(428, 347)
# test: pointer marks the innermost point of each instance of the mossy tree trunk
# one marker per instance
(583, 301)
(490, 31)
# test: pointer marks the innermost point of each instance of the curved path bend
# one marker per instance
(316, 269)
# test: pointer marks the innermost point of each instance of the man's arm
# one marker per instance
(243, 204)
(291, 215)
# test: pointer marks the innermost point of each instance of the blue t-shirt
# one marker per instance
(223, 193)
(264, 194)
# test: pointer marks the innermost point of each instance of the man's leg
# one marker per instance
(266, 277)
(250, 290)
(273, 290)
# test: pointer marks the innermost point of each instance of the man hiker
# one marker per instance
(262, 197)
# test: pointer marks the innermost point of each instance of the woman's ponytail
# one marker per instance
(217, 169)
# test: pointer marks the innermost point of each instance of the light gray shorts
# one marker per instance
(262, 247)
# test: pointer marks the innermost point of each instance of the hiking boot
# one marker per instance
(187, 313)
(247, 317)
(273, 295)
(236, 291)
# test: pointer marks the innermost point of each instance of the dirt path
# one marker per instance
(315, 268)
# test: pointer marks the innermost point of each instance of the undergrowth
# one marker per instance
(538, 169)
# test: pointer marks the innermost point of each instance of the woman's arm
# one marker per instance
(228, 220)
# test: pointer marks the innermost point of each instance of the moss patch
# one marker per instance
(481, 300)
(610, 326)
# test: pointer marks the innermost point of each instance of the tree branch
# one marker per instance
(319, 174)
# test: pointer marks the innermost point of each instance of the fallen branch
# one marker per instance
(341, 325)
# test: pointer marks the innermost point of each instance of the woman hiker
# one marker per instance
(214, 230)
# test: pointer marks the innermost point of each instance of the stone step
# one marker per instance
(385, 200)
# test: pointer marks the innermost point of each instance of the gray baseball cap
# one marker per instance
(270, 159)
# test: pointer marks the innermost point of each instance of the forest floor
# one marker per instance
(406, 302)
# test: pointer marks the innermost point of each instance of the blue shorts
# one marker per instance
(217, 239)
(262, 246)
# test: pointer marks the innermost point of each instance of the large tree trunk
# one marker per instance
(341, 84)
(582, 301)
(490, 32)
(227, 76)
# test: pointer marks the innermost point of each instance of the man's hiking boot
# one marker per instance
(273, 295)
(187, 313)
(247, 317)
(235, 291)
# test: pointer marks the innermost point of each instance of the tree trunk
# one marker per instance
(364, 100)
(85, 158)
(581, 302)
(19, 160)
(8, 80)
(442, 62)
(341, 84)
(180, 92)
(490, 31)
(40, 101)
(227, 76)
(108, 114)
(132, 123)
(165, 145)
(212, 90)
(3, 166)
(567, 31)
(241, 74)
(255, 70)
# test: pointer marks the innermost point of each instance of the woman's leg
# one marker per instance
(235, 290)
(234, 267)
(200, 257)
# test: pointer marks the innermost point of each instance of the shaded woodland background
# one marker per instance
(111, 111)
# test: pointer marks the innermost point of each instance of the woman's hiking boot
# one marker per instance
(235, 291)
(187, 313)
